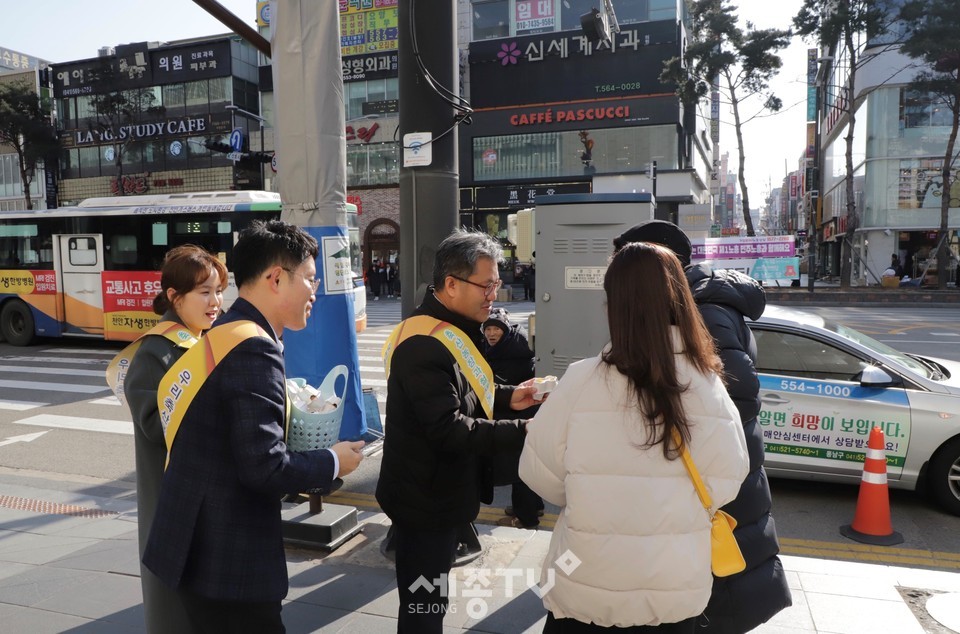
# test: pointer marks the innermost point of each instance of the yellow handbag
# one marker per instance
(725, 556)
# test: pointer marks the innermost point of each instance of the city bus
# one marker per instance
(93, 270)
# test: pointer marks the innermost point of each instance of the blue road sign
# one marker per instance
(236, 139)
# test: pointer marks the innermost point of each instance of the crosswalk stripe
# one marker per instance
(371, 368)
(80, 423)
(370, 359)
(106, 400)
(110, 353)
(28, 369)
(102, 362)
(20, 406)
(54, 387)
(373, 382)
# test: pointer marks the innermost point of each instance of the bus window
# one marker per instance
(83, 252)
(17, 245)
(123, 249)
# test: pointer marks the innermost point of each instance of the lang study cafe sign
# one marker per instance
(183, 126)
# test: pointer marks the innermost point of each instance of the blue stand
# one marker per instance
(330, 338)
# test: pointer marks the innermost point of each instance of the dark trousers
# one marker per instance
(526, 503)
(212, 616)
(573, 626)
(423, 555)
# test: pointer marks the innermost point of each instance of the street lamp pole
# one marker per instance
(234, 111)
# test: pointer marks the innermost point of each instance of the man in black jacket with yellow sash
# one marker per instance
(440, 400)
(216, 537)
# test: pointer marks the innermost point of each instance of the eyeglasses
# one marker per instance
(314, 283)
(488, 289)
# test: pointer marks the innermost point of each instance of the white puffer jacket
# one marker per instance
(631, 517)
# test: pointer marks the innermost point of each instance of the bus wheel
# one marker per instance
(16, 323)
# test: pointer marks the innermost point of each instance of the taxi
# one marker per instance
(824, 386)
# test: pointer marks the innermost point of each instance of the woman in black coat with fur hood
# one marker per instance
(511, 359)
(726, 298)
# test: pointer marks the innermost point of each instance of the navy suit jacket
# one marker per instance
(217, 530)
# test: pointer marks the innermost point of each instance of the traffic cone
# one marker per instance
(871, 522)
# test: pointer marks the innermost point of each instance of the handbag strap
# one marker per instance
(694, 474)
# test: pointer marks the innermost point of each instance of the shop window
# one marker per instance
(197, 97)
(571, 10)
(196, 147)
(220, 91)
(174, 100)
(491, 19)
(376, 90)
(66, 110)
(923, 110)
(70, 163)
(355, 93)
(573, 153)
(376, 164)
(86, 108)
(89, 159)
(153, 154)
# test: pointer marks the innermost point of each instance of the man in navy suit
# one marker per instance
(217, 537)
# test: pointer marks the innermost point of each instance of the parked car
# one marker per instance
(824, 386)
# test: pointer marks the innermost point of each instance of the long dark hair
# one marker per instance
(647, 293)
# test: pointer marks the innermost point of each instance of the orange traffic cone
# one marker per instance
(871, 522)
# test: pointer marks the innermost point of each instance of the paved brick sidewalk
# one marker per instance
(68, 563)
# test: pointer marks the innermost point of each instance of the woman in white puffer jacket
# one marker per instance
(632, 539)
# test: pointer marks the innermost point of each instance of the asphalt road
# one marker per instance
(57, 418)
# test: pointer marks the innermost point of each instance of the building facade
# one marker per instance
(16, 67)
(557, 113)
(141, 118)
(899, 138)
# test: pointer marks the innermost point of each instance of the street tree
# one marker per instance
(845, 26)
(933, 35)
(116, 115)
(741, 61)
(25, 126)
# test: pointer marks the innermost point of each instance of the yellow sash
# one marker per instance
(183, 380)
(472, 363)
(118, 368)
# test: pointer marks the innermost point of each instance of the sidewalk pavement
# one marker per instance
(68, 563)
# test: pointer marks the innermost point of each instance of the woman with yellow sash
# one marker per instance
(192, 283)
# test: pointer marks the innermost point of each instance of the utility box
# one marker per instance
(574, 235)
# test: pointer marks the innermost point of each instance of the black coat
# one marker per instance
(430, 473)
(512, 362)
(741, 602)
(217, 530)
(511, 359)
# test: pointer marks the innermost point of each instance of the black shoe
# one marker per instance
(508, 510)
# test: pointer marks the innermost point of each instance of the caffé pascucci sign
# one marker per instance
(137, 131)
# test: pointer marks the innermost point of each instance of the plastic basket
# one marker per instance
(309, 430)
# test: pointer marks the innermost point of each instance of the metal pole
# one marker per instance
(235, 24)
(429, 202)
